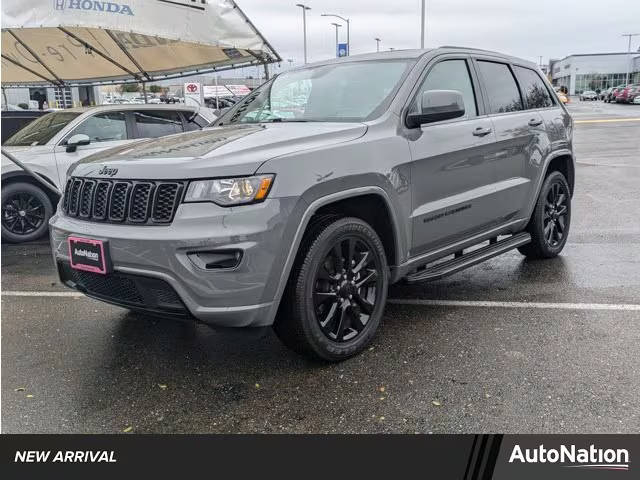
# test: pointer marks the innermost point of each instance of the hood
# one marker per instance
(215, 152)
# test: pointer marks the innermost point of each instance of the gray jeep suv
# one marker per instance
(307, 199)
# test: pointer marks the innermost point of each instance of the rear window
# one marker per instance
(154, 124)
(535, 91)
(501, 87)
(40, 131)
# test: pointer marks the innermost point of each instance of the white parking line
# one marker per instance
(540, 305)
(627, 307)
(42, 294)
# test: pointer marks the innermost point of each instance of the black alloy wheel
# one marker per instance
(337, 290)
(26, 211)
(346, 287)
(551, 219)
(555, 214)
(22, 213)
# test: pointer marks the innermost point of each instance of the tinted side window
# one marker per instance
(501, 87)
(104, 127)
(450, 75)
(196, 124)
(154, 124)
(535, 92)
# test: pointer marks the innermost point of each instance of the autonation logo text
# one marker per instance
(95, 5)
(591, 458)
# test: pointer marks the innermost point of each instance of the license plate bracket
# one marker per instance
(89, 255)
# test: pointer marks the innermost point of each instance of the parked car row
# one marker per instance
(55, 141)
(622, 94)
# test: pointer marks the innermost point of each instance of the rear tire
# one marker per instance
(337, 290)
(551, 220)
(26, 211)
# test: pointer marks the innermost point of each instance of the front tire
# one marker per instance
(26, 211)
(551, 220)
(337, 290)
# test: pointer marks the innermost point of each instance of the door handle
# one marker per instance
(534, 122)
(481, 132)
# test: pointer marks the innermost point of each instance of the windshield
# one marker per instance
(41, 130)
(343, 92)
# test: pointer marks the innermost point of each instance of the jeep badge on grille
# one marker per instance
(108, 171)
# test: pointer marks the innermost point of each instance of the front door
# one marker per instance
(105, 130)
(451, 171)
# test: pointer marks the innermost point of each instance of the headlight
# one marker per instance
(228, 192)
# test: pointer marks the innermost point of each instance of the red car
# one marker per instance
(628, 93)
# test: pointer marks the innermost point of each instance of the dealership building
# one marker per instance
(594, 71)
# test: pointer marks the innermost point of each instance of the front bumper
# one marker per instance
(239, 297)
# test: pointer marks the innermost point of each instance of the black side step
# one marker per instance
(461, 262)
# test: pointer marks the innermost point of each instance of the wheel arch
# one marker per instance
(563, 163)
(19, 176)
(325, 204)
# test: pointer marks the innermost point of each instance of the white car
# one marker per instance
(588, 95)
(53, 142)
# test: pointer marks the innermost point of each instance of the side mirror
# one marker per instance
(77, 141)
(436, 106)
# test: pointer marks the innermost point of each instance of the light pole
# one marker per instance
(348, 28)
(337, 25)
(378, 40)
(290, 60)
(304, 27)
(423, 25)
(630, 35)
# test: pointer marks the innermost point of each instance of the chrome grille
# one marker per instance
(119, 201)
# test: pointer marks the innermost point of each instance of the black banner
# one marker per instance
(463, 457)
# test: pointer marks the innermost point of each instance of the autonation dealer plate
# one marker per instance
(89, 255)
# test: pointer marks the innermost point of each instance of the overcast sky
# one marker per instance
(525, 28)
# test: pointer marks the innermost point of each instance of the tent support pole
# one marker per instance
(144, 91)
(126, 52)
(33, 72)
(4, 95)
(266, 71)
(95, 50)
(38, 59)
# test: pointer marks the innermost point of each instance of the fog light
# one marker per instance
(216, 259)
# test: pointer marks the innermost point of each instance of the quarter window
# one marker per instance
(502, 89)
(103, 127)
(450, 75)
(154, 124)
(535, 91)
(197, 123)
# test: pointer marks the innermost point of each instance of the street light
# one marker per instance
(378, 40)
(630, 35)
(348, 28)
(423, 25)
(304, 27)
(337, 25)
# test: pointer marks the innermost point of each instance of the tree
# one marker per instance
(156, 89)
(129, 88)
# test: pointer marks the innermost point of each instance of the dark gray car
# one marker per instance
(320, 189)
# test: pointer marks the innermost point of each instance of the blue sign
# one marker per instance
(343, 50)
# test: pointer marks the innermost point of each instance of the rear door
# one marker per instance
(539, 101)
(451, 172)
(520, 138)
(156, 123)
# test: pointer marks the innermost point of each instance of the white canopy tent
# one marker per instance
(91, 42)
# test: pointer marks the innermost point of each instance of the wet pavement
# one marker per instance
(76, 365)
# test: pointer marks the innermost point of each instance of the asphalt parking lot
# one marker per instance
(510, 346)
